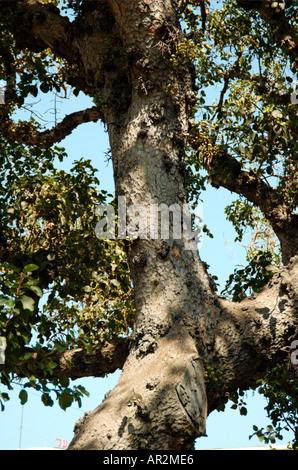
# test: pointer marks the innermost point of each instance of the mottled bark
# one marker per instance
(145, 410)
(162, 399)
(252, 336)
(179, 319)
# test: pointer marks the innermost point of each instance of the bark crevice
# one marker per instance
(181, 326)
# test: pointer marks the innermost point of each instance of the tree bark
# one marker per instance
(253, 336)
(105, 358)
(161, 399)
(155, 404)
(163, 395)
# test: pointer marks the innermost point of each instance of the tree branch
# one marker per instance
(38, 25)
(23, 133)
(225, 171)
(255, 335)
(91, 53)
(105, 358)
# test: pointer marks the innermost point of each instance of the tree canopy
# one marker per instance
(67, 306)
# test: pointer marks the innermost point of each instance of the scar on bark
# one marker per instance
(192, 395)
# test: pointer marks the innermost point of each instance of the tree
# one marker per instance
(183, 347)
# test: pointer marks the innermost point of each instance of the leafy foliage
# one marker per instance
(240, 64)
(280, 388)
(80, 291)
(48, 219)
(18, 321)
(251, 80)
(251, 117)
(262, 250)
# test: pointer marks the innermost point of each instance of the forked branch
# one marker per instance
(25, 134)
(225, 171)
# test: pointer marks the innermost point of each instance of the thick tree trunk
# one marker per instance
(162, 398)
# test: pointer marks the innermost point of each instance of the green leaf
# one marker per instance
(27, 356)
(28, 303)
(3, 300)
(83, 390)
(65, 400)
(11, 267)
(10, 303)
(60, 346)
(23, 395)
(4, 396)
(29, 268)
(64, 381)
(44, 87)
(116, 283)
(37, 290)
(46, 399)
(51, 365)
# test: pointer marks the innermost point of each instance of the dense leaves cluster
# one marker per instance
(262, 250)
(244, 82)
(19, 321)
(281, 391)
(79, 291)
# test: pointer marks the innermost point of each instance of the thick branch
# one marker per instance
(283, 221)
(26, 135)
(37, 25)
(90, 44)
(225, 171)
(255, 335)
(105, 358)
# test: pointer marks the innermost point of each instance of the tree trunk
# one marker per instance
(161, 399)
(163, 395)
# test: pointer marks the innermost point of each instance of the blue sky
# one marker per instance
(35, 425)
